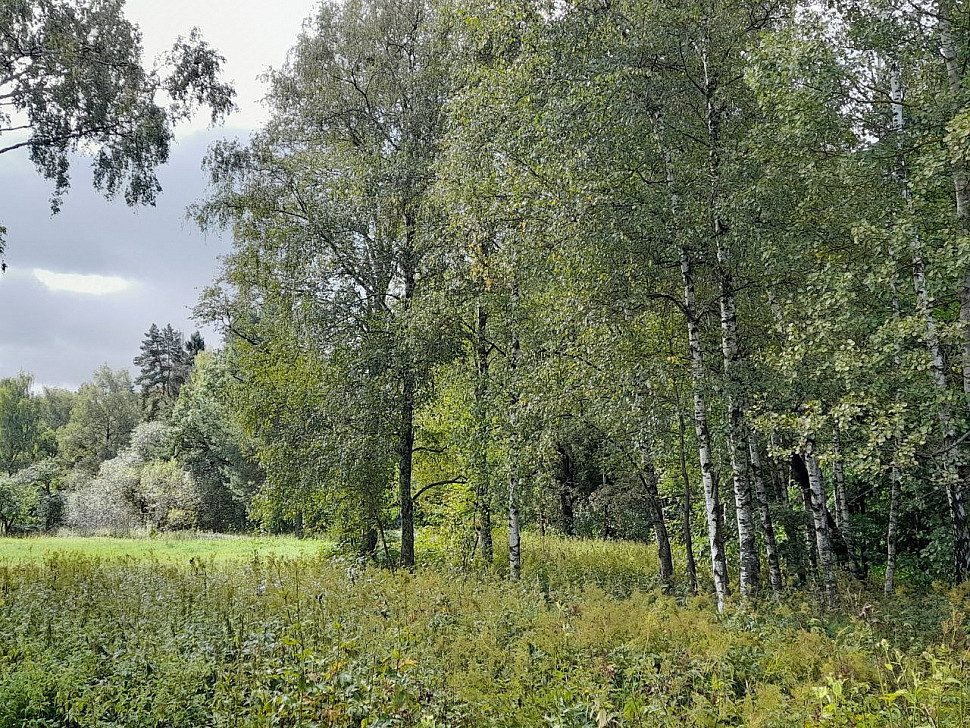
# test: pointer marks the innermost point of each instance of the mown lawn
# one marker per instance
(179, 547)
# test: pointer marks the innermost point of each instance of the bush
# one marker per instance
(103, 504)
(136, 488)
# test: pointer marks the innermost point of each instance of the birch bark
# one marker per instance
(712, 506)
(750, 565)
(955, 492)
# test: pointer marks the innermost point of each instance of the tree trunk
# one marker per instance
(650, 481)
(712, 506)
(892, 529)
(823, 543)
(688, 535)
(483, 502)
(515, 532)
(842, 506)
(406, 442)
(891, 532)
(764, 510)
(369, 540)
(800, 473)
(749, 577)
(405, 463)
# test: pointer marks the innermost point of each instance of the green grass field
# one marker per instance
(181, 547)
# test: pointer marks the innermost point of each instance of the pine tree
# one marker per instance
(165, 363)
(194, 345)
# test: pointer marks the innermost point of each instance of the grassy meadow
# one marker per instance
(271, 632)
(168, 546)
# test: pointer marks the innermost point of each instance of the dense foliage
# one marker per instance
(692, 273)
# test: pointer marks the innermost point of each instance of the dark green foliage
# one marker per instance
(194, 345)
(165, 362)
(212, 447)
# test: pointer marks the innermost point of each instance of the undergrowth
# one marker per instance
(586, 639)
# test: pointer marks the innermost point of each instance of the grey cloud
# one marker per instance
(61, 337)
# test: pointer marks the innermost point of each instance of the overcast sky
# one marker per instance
(83, 286)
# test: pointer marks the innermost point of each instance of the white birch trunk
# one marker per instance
(712, 506)
(955, 492)
(750, 565)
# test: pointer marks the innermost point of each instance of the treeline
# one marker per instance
(693, 271)
(117, 455)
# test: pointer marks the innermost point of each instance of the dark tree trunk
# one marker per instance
(405, 466)
(688, 535)
(800, 475)
(369, 541)
(482, 490)
(566, 493)
(648, 477)
(406, 424)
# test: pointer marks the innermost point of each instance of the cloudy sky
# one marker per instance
(83, 286)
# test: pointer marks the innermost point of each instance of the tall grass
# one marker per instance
(585, 640)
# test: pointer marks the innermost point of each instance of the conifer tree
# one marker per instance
(165, 363)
